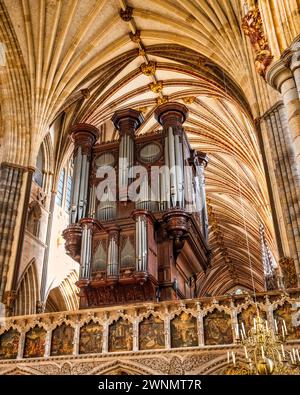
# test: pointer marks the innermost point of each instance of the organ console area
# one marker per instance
(138, 220)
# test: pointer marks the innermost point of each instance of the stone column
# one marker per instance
(135, 334)
(287, 178)
(21, 345)
(14, 197)
(48, 343)
(46, 255)
(281, 78)
(295, 64)
(84, 137)
(171, 116)
(76, 339)
(200, 325)
(168, 331)
(127, 122)
(105, 336)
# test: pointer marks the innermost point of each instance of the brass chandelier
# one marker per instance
(265, 350)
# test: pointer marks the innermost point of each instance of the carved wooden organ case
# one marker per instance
(138, 220)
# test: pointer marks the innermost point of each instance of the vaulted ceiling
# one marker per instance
(84, 55)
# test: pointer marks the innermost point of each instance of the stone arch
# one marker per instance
(27, 291)
(64, 297)
(126, 367)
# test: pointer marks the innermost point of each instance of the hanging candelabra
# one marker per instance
(265, 350)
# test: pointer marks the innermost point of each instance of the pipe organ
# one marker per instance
(138, 221)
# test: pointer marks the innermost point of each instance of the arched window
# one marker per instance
(38, 174)
(64, 187)
(60, 188)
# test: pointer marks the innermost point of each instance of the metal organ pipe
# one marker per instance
(76, 186)
(141, 244)
(113, 254)
(84, 136)
(86, 252)
(179, 170)
(173, 177)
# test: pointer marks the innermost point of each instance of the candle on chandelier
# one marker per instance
(237, 331)
(284, 325)
(282, 350)
(279, 356)
(262, 352)
(267, 326)
(233, 357)
(276, 327)
(242, 335)
(246, 353)
(243, 330)
(297, 353)
(228, 357)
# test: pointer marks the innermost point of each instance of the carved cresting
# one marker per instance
(253, 27)
(181, 336)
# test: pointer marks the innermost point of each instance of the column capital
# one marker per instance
(171, 114)
(114, 233)
(84, 135)
(277, 74)
(291, 56)
(279, 104)
(142, 213)
(127, 121)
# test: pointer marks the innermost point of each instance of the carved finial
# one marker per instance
(126, 14)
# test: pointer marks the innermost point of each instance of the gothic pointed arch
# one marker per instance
(27, 291)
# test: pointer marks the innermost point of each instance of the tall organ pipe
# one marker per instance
(141, 242)
(84, 137)
(113, 253)
(86, 252)
(126, 121)
(171, 116)
(173, 176)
